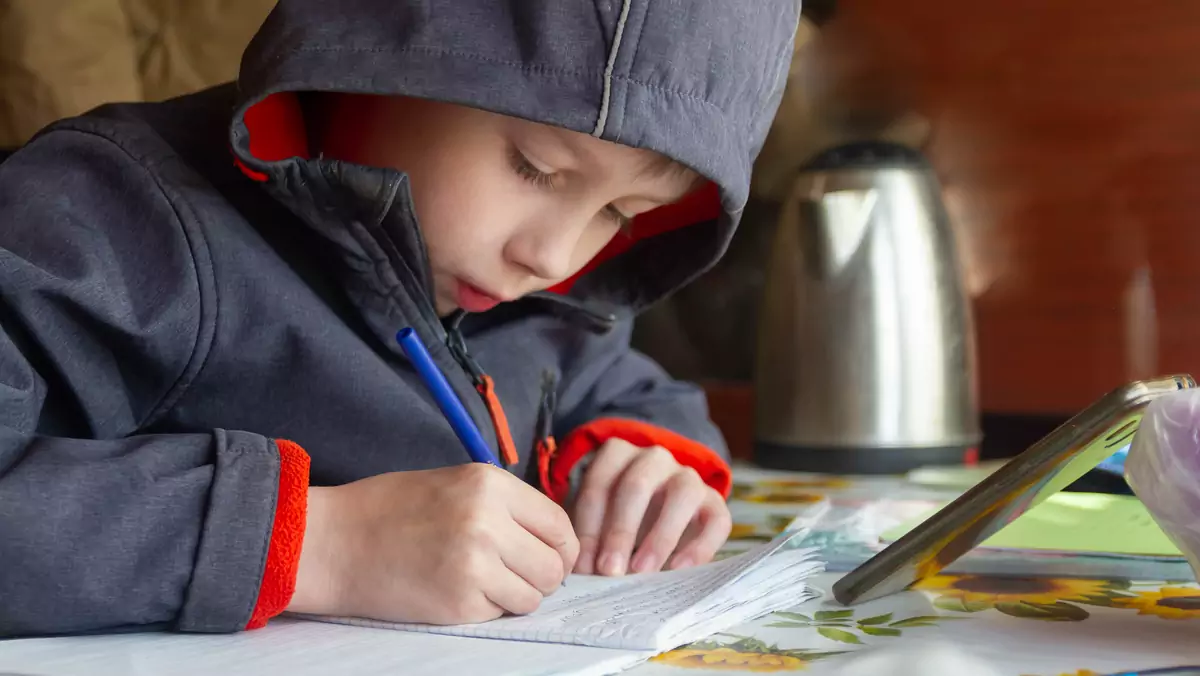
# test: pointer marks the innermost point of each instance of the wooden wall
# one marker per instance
(1068, 137)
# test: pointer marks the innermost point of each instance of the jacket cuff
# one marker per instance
(287, 535)
(587, 438)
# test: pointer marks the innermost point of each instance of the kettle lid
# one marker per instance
(868, 155)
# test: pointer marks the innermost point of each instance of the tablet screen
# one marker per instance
(1093, 437)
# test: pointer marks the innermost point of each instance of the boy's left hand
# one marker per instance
(638, 509)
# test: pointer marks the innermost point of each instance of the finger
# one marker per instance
(545, 520)
(532, 559)
(714, 523)
(467, 611)
(685, 494)
(592, 500)
(511, 593)
(627, 505)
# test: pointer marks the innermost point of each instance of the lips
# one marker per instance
(473, 299)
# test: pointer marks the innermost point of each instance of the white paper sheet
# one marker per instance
(298, 648)
(593, 627)
(655, 611)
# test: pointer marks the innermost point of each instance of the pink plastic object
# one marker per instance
(1163, 468)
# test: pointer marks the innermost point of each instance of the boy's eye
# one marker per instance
(527, 171)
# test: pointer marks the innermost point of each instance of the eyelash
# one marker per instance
(525, 169)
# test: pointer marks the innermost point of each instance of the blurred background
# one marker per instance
(1065, 139)
(1067, 142)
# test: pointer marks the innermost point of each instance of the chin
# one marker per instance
(444, 308)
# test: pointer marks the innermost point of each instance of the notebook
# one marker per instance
(591, 627)
(293, 647)
(1083, 523)
(652, 612)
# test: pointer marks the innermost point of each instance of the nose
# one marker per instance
(546, 249)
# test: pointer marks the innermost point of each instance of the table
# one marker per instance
(1022, 626)
(1029, 626)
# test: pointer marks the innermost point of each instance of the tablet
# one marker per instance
(1045, 468)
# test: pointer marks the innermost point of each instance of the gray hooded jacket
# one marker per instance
(163, 320)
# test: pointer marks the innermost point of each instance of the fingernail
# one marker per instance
(643, 563)
(612, 564)
(585, 564)
(681, 562)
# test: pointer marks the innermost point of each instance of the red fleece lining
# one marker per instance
(287, 536)
(277, 131)
(587, 438)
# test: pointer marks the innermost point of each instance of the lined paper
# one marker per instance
(655, 611)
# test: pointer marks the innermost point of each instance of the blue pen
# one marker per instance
(453, 409)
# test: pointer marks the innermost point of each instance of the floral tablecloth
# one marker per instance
(1023, 626)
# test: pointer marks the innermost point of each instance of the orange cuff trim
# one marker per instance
(583, 440)
(287, 535)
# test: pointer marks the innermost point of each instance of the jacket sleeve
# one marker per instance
(103, 522)
(609, 390)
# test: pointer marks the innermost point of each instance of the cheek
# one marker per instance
(592, 242)
(459, 215)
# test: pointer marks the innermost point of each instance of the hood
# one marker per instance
(696, 80)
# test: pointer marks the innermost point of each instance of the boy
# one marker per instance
(205, 417)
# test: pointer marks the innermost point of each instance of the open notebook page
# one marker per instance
(295, 648)
(655, 611)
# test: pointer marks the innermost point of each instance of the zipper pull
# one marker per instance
(508, 449)
(545, 447)
(486, 388)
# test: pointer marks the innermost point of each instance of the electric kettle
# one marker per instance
(865, 356)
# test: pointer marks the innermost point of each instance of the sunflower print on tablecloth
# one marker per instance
(788, 491)
(743, 654)
(1169, 603)
(728, 659)
(831, 483)
(1051, 599)
(752, 532)
(784, 498)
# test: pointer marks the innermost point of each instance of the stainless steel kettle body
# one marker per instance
(865, 359)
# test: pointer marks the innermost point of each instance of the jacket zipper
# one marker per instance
(452, 335)
(562, 306)
(486, 388)
(545, 447)
(568, 308)
(453, 338)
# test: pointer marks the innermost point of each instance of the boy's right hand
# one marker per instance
(446, 546)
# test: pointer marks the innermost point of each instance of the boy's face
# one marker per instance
(507, 207)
